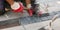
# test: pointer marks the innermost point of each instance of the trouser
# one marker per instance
(2, 8)
(1, 4)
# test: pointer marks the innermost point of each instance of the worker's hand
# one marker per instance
(6, 9)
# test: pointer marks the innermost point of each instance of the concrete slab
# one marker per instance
(36, 26)
(14, 28)
(12, 15)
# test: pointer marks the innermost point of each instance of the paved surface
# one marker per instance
(36, 26)
(30, 23)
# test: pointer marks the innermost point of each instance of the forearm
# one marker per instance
(11, 2)
(28, 3)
